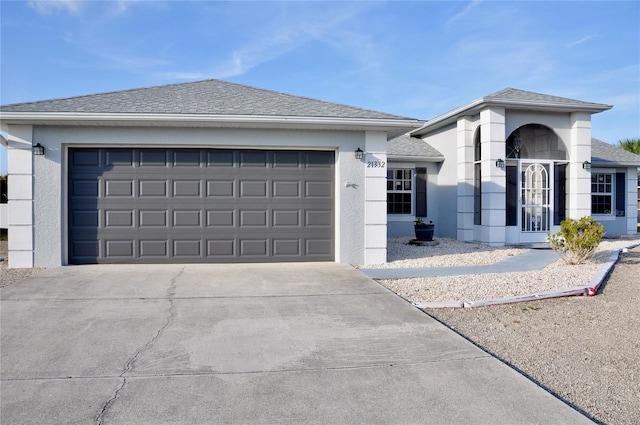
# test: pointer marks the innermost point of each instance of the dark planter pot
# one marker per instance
(424, 232)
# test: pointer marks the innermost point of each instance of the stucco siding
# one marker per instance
(50, 185)
(442, 209)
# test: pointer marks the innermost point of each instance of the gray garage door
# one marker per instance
(200, 205)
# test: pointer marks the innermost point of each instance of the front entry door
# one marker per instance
(536, 198)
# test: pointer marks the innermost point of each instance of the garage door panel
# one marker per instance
(221, 218)
(187, 248)
(85, 158)
(153, 158)
(153, 188)
(318, 189)
(200, 205)
(253, 188)
(153, 218)
(286, 160)
(119, 248)
(287, 247)
(221, 188)
(186, 188)
(118, 188)
(254, 247)
(119, 158)
(286, 218)
(116, 218)
(154, 249)
(253, 159)
(221, 249)
(286, 189)
(186, 158)
(318, 247)
(86, 249)
(187, 218)
(253, 218)
(80, 218)
(324, 160)
(85, 188)
(220, 159)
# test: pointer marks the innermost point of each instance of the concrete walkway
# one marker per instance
(533, 259)
(245, 343)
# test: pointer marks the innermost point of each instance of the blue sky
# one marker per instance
(416, 59)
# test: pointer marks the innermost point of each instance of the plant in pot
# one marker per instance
(424, 231)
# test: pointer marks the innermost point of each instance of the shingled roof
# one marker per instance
(209, 97)
(511, 98)
(407, 147)
(604, 154)
(527, 97)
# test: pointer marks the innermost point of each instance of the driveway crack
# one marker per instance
(129, 364)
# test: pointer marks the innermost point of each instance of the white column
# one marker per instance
(375, 214)
(492, 144)
(20, 214)
(579, 178)
(632, 201)
(465, 156)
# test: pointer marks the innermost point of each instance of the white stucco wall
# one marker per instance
(402, 224)
(632, 201)
(627, 223)
(20, 191)
(442, 207)
(359, 207)
(375, 218)
(455, 179)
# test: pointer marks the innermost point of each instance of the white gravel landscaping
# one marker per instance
(448, 252)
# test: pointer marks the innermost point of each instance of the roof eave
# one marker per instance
(604, 164)
(415, 158)
(395, 126)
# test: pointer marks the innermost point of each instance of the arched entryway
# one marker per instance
(535, 183)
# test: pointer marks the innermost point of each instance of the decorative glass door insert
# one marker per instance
(536, 197)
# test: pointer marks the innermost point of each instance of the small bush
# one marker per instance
(577, 240)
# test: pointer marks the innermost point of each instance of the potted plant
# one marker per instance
(424, 231)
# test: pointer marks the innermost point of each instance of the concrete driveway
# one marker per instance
(245, 344)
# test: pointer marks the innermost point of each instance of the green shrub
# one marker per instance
(577, 240)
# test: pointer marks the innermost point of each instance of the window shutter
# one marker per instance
(620, 194)
(421, 192)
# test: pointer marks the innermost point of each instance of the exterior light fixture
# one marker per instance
(38, 149)
(500, 164)
(586, 165)
(359, 153)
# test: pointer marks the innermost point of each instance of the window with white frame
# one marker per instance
(399, 191)
(601, 193)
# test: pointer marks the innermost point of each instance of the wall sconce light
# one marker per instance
(359, 153)
(586, 165)
(38, 149)
(500, 164)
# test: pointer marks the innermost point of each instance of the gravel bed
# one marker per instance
(556, 276)
(10, 276)
(447, 252)
(583, 349)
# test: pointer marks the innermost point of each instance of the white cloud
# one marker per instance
(580, 41)
(468, 8)
(47, 7)
(283, 35)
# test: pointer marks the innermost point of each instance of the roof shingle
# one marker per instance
(210, 97)
(603, 153)
(407, 146)
(516, 95)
